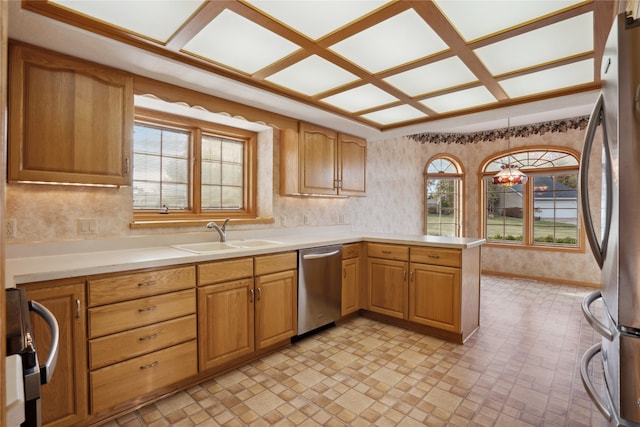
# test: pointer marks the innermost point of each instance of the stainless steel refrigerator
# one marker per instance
(616, 245)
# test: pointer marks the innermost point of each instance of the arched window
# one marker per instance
(443, 197)
(541, 212)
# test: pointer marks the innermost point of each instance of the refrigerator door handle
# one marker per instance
(46, 370)
(596, 324)
(603, 406)
(597, 117)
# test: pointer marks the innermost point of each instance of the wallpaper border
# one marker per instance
(523, 131)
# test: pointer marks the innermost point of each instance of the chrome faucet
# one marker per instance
(221, 230)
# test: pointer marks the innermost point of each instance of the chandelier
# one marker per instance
(509, 174)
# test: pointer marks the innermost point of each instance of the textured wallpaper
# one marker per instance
(393, 204)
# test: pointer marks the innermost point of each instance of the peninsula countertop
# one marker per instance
(34, 262)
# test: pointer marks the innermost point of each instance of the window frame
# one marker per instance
(196, 215)
(527, 241)
(459, 175)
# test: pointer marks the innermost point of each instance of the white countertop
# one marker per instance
(57, 260)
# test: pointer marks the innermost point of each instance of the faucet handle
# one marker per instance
(224, 224)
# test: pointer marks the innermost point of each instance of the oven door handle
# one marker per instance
(593, 320)
(320, 255)
(598, 401)
(46, 370)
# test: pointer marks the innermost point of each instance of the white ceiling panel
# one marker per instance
(432, 77)
(391, 43)
(552, 79)
(468, 98)
(401, 113)
(360, 98)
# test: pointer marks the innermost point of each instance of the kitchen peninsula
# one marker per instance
(151, 318)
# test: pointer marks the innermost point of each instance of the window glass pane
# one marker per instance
(222, 173)
(160, 167)
(555, 200)
(211, 173)
(146, 195)
(231, 197)
(232, 175)
(443, 207)
(211, 148)
(211, 197)
(442, 166)
(504, 216)
(232, 152)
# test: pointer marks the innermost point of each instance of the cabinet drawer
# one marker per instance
(126, 345)
(436, 256)
(137, 285)
(268, 264)
(123, 316)
(352, 250)
(128, 380)
(379, 250)
(224, 271)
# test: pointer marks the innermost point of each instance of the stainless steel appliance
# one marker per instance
(617, 246)
(21, 342)
(319, 287)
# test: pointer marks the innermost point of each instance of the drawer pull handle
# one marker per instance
(148, 337)
(251, 295)
(151, 365)
(149, 283)
(150, 308)
(258, 294)
(386, 252)
(344, 275)
(434, 256)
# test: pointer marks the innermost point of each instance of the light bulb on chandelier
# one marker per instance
(509, 174)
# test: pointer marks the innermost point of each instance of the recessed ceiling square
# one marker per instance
(316, 18)
(432, 77)
(360, 98)
(460, 100)
(391, 43)
(236, 42)
(552, 79)
(399, 114)
(157, 21)
(557, 41)
(311, 76)
(475, 19)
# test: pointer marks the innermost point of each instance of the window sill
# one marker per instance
(194, 222)
(542, 248)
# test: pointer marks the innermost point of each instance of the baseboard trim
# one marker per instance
(542, 279)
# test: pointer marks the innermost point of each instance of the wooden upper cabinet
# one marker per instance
(318, 161)
(69, 120)
(353, 165)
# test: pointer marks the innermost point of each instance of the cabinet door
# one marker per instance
(350, 285)
(318, 160)
(64, 398)
(70, 120)
(352, 165)
(276, 308)
(434, 296)
(388, 287)
(225, 322)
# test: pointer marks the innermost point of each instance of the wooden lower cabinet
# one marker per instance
(350, 278)
(225, 322)
(142, 333)
(387, 287)
(125, 381)
(64, 398)
(434, 296)
(276, 315)
(236, 318)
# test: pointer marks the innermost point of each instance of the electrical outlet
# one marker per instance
(341, 219)
(10, 228)
(306, 219)
(87, 227)
(283, 220)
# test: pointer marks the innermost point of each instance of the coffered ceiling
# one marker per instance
(384, 64)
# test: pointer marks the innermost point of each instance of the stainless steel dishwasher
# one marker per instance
(319, 287)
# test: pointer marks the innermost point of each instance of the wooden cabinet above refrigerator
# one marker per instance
(70, 121)
(316, 161)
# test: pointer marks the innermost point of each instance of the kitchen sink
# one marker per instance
(210, 247)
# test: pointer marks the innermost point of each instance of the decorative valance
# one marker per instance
(512, 132)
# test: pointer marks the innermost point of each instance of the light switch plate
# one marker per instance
(87, 226)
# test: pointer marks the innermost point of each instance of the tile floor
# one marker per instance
(519, 369)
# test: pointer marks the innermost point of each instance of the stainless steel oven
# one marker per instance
(22, 355)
